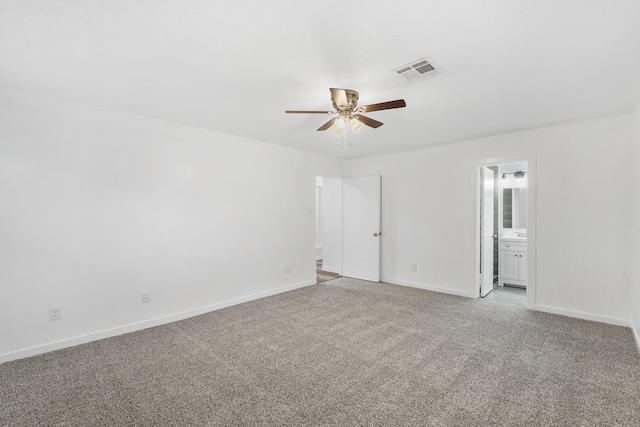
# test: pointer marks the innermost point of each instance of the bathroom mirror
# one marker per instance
(514, 208)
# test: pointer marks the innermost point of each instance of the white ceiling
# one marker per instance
(236, 66)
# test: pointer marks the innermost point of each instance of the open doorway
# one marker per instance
(348, 227)
(328, 228)
(324, 276)
(504, 231)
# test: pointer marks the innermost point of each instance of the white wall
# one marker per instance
(98, 206)
(584, 214)
(634, 260)
(332, 215)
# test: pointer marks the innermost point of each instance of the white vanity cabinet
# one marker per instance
(512, 262)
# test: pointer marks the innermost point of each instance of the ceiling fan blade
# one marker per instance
(367, 121)
(328, 124)
(398, 103)
(339, 97)
(308, 112)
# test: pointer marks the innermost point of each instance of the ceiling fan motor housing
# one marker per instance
(352, 100)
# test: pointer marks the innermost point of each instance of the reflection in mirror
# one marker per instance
(514, 208)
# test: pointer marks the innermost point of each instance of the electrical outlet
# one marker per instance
(146, 296)
(55, 313)
(286, 270)
(414, 267)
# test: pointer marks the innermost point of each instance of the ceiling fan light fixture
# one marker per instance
(340, 123)
(355, 124)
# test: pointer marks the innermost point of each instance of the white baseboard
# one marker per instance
(428, 287)
(330, 269)
(636, 335)
(583, 315)
(132, 327)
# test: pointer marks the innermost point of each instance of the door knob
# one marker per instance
(377, 234)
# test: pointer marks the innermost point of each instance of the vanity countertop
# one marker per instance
(512, 239)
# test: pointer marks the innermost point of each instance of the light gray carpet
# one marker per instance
(343, 353)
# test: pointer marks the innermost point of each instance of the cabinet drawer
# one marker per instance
(511, 246)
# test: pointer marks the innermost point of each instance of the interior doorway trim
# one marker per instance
(532, 174)
(331, 223)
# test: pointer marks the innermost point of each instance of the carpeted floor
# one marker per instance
(346, 353)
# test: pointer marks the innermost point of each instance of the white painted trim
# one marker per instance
(585, 316)
(133, 327)
(636, 335)
(428, 287)
(478, 284)
(335, 270)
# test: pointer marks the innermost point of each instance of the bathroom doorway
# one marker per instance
(506, 227)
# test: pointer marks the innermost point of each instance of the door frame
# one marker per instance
(482, 192)
(530, 158)
(381, 258)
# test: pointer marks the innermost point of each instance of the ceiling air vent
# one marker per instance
(417, 70)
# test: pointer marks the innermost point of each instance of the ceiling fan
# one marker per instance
(345, 102)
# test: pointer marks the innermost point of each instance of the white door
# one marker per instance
(487, 231)
(361, 227)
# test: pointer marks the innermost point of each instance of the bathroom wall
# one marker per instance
(507, 209)
(506, 199)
